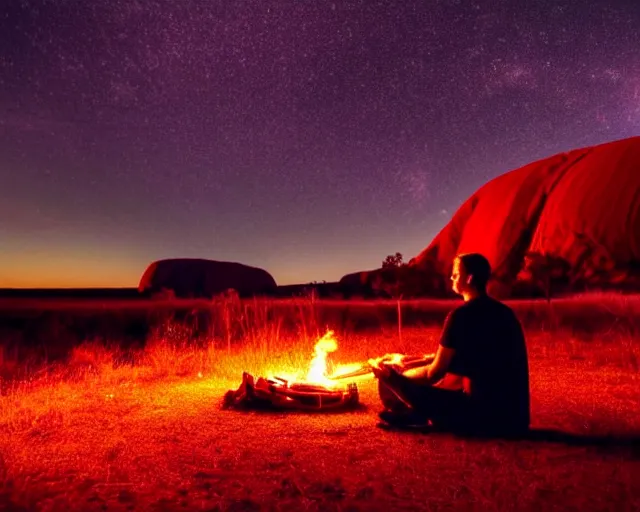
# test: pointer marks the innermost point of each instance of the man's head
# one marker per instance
(471, 273)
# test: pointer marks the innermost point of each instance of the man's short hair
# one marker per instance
(476, 265)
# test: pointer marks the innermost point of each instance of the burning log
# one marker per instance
(280, 394)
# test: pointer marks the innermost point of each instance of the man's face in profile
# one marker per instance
(460, 279)
(457, 278)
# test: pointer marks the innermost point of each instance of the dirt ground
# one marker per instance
(167, 445)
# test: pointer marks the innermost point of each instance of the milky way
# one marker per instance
(305, 137)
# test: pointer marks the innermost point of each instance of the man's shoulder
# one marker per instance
(504, 314)
(484, 305)
(505, 309)
(458, 311)
(461, 315)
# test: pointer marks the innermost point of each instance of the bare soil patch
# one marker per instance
(152, 436)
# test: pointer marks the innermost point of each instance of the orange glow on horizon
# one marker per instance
(51, 272)
(36, 265)
(55, 270)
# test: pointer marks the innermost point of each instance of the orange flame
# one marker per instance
(317, 373)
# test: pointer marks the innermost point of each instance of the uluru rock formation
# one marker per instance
(188, 277)
(574, 216)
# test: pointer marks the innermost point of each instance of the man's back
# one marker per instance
(492, 356)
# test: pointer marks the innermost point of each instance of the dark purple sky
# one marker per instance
(306, 137)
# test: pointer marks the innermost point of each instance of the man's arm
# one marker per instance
(449, 340)
(434, 372)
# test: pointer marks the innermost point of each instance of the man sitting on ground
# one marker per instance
(482, 347)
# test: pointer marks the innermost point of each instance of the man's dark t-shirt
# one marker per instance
(490, 352)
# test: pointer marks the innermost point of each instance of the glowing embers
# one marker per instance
(279, 393)
(310, 390)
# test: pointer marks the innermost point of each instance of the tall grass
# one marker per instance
(263, 336)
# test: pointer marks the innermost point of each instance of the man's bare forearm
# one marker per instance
(436, 371)
(426, 375)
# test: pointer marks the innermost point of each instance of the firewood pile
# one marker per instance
(278, 393)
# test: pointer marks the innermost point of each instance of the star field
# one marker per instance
(309, 138)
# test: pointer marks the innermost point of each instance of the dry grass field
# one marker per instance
(107, 429)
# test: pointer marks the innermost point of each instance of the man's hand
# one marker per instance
(392, 359)
(381, 372)
(385, 371)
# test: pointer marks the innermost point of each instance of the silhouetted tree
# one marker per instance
(388, 279)
(401, 280)
(393, 261)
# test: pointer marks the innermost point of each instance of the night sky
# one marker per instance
(310, 138)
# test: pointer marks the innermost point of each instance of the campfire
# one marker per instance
(318, 372)
(317, 388)
(314, 389)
